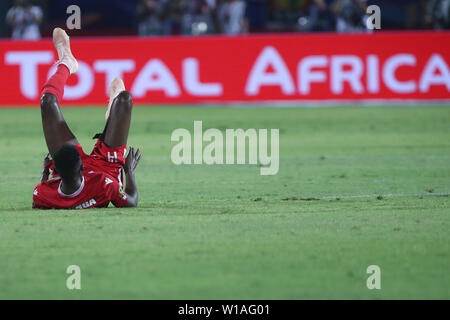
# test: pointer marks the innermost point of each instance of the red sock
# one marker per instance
(55, 84)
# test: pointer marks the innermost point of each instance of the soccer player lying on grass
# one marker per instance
(82, 181)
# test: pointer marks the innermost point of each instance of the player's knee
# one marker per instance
(124, 99)
(48, 99)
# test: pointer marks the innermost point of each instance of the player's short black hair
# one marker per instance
(67, 161)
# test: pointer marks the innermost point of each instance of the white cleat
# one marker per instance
(115, 87)
(62, 45)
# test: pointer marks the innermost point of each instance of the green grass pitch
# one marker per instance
(379, 177)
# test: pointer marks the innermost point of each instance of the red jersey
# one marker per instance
(101, 184)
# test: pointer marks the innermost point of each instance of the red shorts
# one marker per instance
(103, 159)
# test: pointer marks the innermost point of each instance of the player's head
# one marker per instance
(67, 162)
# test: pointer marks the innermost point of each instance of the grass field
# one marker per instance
(372, 185)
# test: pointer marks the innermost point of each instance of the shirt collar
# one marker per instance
(76, 193)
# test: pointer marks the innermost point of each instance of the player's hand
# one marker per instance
(46, 167)
(47, 161)
(132, 160)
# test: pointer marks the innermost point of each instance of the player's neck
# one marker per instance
(69, 186)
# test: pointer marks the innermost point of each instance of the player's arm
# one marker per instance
(130, 165)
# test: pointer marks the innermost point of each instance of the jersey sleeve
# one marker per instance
(117, 196)
(38, 202)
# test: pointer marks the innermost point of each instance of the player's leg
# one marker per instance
(56, 130)
(118, 115)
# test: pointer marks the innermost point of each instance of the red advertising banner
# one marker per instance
(284, 68)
